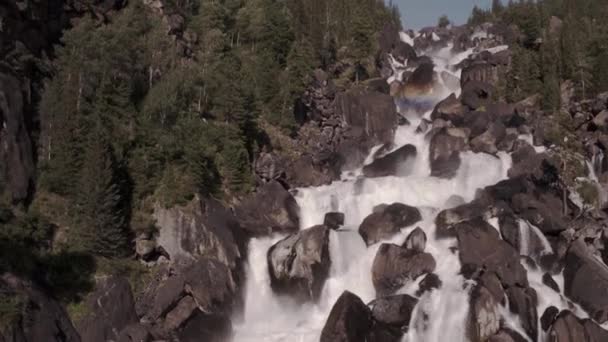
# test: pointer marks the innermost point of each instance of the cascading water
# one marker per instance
(439, 313)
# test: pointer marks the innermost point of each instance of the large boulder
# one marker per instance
(111, 308)
(397, 163)
(44, 320)
(350, 320)
(544, 210)
(507, 335)
(488, 140)
(586, 281)
(270, 209)
(445, 154)
(416, 240)
(202, 228)
(447, 219)
(395, 311)
(450, 109)
(569, 328)
(481, 248)
(476, 94)
(299, 264)
(206, 327)
(388, 221)
(523, 302)
(395, 266)
(484, 315)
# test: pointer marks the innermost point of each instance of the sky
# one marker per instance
(420, 13)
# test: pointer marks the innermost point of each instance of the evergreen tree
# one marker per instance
(443, 21)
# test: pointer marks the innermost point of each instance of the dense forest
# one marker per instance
(574, 47)
(148, 105)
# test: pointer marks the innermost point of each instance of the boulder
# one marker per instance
(550, 282)
(523, 302)
(488, 140)
(206, 327)
(484, 315)
(395, 266)
(476, 94)
(491, 282)
(430, 282)
(586, 281)
(445, 154)
(447, 219)
(269, 166)
(184, 309)
(385, 223)
(135, 333)
(601, 120)
(350, 320)
(211, 285)
(44, 320)
(299, 264)
(544, 211)
(421, 81)
(202, 228)
(450, 109)
(507, 335)
(397, 163)
(567, 328)
(481, 248)
(394, 310)
(416, 240)
(270, 209)
(333, 220)
(548, 317)
(111, 308)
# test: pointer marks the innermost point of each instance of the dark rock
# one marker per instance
(211, 284)
(545, 212)
(184, 309)
(523, 302)
(447, 219)
(601, 120)
(548, 317)
(484, 315)
(350, 320)
(548, 280)
(397, 163)
(594, 332)
(416, 240)
(269, 166)
(403, 52)
(206, 327)
(450, 109)
(491, 282)
(586, 281)
(476, 94)
(445, 154)
(44, 320)
(135, 333)
(307, 171)
(431, 281)
(385, 223)
(394, 266)
(421, 81)
(333, 220)
(567, 328)
(111, 308)
(480, 247)
(299, 264)
(271, 209)
(394, 310)
(487, 141)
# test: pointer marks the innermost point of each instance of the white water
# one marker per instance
(268, 318)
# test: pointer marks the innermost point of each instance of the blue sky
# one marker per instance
(420, 13)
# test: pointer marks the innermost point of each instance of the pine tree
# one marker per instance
(102, 226)
(443, 21)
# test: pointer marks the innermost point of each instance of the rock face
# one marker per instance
(299, 264)
(395, 266)
(484, 317)
(203, 228)
(445, 154)
(388, 221)
(111, 309)
(523, 302)
(586, 281)
(350, 320)
(270, 209)
(568, 328)
(45, 319)
(333, 220)
(397, 163)
(450, 109)
(481, 248)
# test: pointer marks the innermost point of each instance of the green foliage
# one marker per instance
(443, 21)
(11, 308)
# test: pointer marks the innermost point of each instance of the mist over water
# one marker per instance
(440, 313)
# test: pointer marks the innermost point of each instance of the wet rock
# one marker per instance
(484, 315)
(111, 308)
(394, 266)
(394, 311)
(594, 332)
(44, 320)
(271, 209)
(480, 247)
(211, 284)
(421, 81)
(476, 94)
(544, 211)
(333, 220)
(383, 224)
(523, 302)
(586, 281)
(548, 280)
(206, 327)
(397, 163)
(548, 317)
(350, 320)
(491, 282)
(416, 240)
(431, 281)
(135, 333)
(184, 309)
(299, 264)
(507, 335)
(450, 109)
(487, 141)
(447, 219)
(445, 154)
(204, 227)
(567, 328)
(454, 201)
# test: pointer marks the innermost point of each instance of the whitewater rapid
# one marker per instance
(269, 318)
